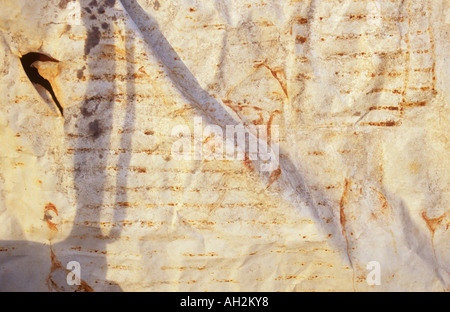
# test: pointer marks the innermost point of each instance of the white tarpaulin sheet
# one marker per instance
(349, 97)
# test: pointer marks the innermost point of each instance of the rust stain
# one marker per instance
(182, 268)
(378, 90)
(139, 169)
(258, 121)
(209, 254)
(413, 104)
(432, 223)
(248, 163)
(302, 59)
(385, 208)
(275, 175)
(84, 287)
(47, 217)
(55, 266)
(433, 48)
(225, 281)
(316, 153)
(269, 126)
(342, 203)
(391, 108)
(389, 123)
(407, 58)
(357, 17)
(301, 20)
(279, 74)
(301, 76)
(300, 39)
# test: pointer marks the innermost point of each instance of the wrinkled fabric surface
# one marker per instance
(359, 91)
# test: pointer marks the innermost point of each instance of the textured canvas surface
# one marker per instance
(357, 92)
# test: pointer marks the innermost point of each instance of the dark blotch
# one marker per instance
(85, 112)
(93, 3)
(88, 110)
(110, 3)
(156, 5)
(94, 129)
(80, 72)
(101, 10)
(92, 40)
(87, 10)
(63, 3)
(105, 26)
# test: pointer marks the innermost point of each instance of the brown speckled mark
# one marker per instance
(391, 108)
(300, 39)
(389, 123)
(301, 20)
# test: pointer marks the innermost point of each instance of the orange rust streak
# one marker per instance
(269, 126)
(413, 104)
(248, 163)
(342, 203)
(50, 207)
(276, 74)
(56, 265)
(432, 223)
(275, 175)
(389, 123)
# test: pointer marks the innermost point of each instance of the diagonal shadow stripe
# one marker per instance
(216, 114)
